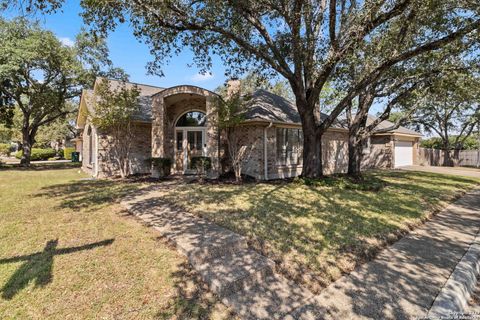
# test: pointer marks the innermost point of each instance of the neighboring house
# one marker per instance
(180, 123)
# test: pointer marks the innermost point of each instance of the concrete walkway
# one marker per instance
(401, 283)
(242, 278)
(404, 280)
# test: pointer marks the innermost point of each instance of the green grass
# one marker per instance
(66, 251)
(322, 229)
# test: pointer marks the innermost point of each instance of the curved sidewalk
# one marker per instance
(404, 280)
(401, 283)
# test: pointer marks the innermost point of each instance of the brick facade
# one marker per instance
(104, 163)
(378, 154)
(140, 152)
(157, 139)
(168, 106)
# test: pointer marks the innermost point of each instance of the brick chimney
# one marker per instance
(233, 87)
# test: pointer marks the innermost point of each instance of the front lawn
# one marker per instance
(67, 253)
(315, 232)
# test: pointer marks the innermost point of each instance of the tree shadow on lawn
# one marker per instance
(88, 195)
(193, 300)
(307, 228)
(403, 284)
(38, 266)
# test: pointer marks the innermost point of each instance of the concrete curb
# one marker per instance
(457, 291)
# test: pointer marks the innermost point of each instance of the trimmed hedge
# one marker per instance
(5, 149)
(67, 153)
(201, 163)
(38, 154)
(163, 165)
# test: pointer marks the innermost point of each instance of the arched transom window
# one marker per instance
(192, 119)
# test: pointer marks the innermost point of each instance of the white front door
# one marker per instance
(189, 142)
(403, 153)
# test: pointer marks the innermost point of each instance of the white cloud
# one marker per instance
(201, 77)
(66, 41)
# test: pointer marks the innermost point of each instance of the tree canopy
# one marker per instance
(306, 42)
(309, 43)
(39, 75)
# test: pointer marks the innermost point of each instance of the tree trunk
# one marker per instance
(312, 153)
(447, 160)
(26, 148)
(355, 148)
(456, 157)
(355, 156)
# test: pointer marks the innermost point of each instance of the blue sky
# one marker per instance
(131, 55)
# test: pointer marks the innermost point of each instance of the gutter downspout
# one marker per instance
(265, 161)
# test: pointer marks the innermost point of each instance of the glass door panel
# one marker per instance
(179, 151)
(194, 145)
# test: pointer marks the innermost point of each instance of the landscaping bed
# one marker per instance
(318, 230)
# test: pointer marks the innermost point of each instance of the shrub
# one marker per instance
(163, 165)
(201, 164)
(38, 154)
(67, 153)
(5, 149)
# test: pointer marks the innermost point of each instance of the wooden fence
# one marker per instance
(435, 157)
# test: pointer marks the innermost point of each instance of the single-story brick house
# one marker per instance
(180, 123)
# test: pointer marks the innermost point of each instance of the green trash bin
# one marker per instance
(75, 156)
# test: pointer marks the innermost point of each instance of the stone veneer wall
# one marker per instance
(162, 142)
(173, 112)
(379, 154)
(87, 167)
(252, 138)
(335, 153)
(140, 152)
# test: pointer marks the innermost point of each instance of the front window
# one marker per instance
(192, 119)
(289, 146)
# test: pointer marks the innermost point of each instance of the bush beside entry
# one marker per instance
(38, 154)
(162, 165)
(201, 164)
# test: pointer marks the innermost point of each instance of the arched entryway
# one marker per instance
(190, 139)
(184, 125)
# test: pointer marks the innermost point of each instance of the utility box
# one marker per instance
(75, 156)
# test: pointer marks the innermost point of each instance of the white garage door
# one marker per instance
(403, 153)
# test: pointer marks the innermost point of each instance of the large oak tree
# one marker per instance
(39, 75)
(402, 90)
(303, 41)
(451, 110)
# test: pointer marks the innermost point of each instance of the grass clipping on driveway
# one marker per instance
(66, 253)
(317, 231)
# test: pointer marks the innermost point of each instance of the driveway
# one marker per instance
(456, 171)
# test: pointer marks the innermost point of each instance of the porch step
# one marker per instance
(274, 298)
(235, 271)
